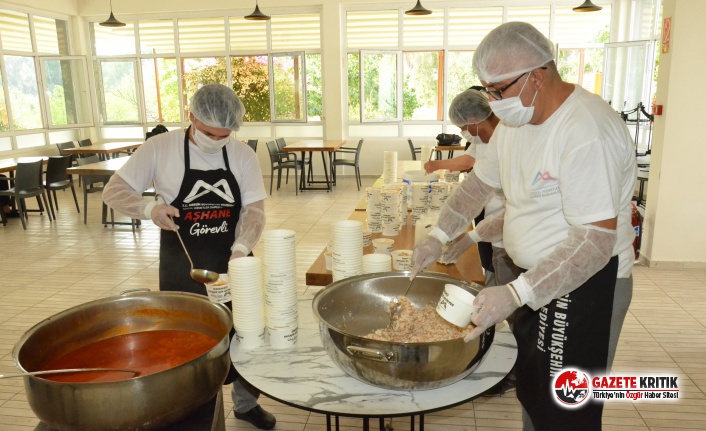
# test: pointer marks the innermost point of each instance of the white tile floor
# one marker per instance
(53, 266)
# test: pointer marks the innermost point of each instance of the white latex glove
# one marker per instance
(425, 253)
(456, 249)
(250, 225)
(237, 254)
(495, 305)
(162, 214)
(120, 196)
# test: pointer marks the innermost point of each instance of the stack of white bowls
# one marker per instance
(391, 201)
(376, 262)
(245, 275)
(389, 167)
(373, 209)
(347, 249)
(281, 313)
(438, 195)
(402, 189)
(419, 202)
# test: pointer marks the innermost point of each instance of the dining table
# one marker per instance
(9, 165)
(449, 148)
(320, 146)
(105, 150)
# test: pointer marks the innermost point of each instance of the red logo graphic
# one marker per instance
(571, 387)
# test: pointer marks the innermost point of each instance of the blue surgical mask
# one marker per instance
(511, 111)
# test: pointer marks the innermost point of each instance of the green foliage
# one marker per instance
(251, 83)
(353, 87)
(314, 87)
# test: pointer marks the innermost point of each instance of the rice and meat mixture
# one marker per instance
(417, 325)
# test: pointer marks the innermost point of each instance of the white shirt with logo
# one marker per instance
(160, 160)
(578, 167)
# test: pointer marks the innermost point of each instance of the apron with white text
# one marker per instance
(569, 332)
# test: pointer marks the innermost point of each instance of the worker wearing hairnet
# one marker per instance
(210, 187)
(566, 164)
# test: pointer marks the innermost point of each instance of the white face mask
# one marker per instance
(467, 135)
(511, 111)
(206, 144)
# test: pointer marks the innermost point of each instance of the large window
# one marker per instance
(66, 86)
(176, 56)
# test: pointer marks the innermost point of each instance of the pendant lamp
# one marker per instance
(257, 15)
(587, 6)
(418, 10)
(112, 21)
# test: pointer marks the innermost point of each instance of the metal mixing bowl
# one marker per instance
(351, 308)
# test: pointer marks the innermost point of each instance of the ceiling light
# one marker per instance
(257, 15)
(587, 6)
(112, 21)
(418, 10)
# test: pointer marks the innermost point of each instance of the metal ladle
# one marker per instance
(398, 304)
(199, 275)
(69, 371)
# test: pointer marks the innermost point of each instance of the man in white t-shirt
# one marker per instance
(210, 188)
(566, 164)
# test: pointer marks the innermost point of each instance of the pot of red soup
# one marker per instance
(176, 342)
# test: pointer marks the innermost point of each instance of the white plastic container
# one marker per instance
(456, 305)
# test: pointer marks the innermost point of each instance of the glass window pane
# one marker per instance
(537, 16)
(353, 88)
(572, 29)
(4, 125)
(373, 29)
(24, 97)
(52, 35)
(467, 27)
(161, 89)
(314, 88)
(459, 74)
(424, 30)
(288, 81)
(421, 86)
(379, 96)
(113, 40)
(583, 66)
(295, 32)
(30, 141)
(251, 83)
(156, 36)
(6, 144)
(202, 35)
(247, 35)
(118, 91)
(66, 91)
(197, 72)
(14, 31)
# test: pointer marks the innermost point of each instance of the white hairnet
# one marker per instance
(217, 105)
(469, 107)
(510, 50)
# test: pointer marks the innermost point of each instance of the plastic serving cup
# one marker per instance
(219, 291)
(456, 305)
(383, 245)
(402, 260)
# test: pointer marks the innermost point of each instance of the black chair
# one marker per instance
(252, 143)
(355, 163)
(93, 184)
(64, 145)
(85, 143)
(28, 184)
(58, 179)
(415, 150)
(279, 161)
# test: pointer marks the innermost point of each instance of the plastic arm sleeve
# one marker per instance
(464, 204)
(585, 251)
(249, 227)
(490, 229)
(119, 195)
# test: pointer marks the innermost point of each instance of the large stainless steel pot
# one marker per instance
(351, 308)
(142, 403)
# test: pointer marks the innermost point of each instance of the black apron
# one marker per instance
(209, 208)
(569, 332)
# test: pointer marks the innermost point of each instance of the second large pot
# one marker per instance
(356, 306)
(142, 403)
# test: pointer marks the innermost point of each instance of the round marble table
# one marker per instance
(305, 377)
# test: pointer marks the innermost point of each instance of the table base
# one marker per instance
(310, 176)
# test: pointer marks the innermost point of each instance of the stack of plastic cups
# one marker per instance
(426, 153)
(389, 168)
(451, 176)
(376, 262)
(245, 275)
(373, 209)
(281, 312)
(439, 193)
(401, 187)
(391, 212)
(420, 200)
(347, 249)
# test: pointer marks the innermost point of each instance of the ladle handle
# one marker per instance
(182, 244)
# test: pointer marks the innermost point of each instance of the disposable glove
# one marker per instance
(495, 305)
(454, 250)
(120, 196)
(250, 225)
(162, 214)
(426, 252)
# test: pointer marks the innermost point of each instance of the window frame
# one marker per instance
(46, 108)
(399, 84)
(273, 90)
